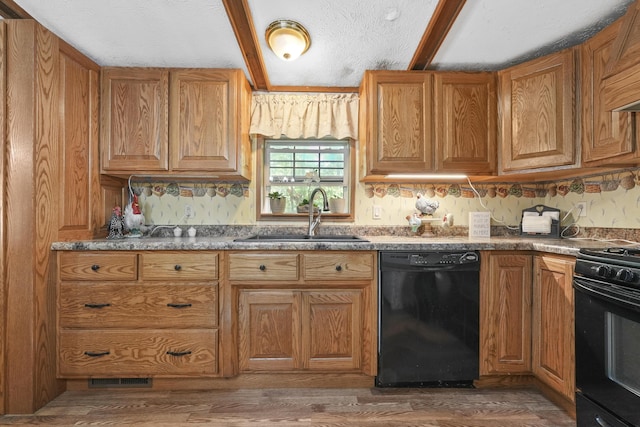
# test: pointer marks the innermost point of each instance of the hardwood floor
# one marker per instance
(522, 407)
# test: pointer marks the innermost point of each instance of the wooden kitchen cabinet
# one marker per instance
(299, 330)
(505, 313)
(79, 190)
(537, 103)
(396, 122)
(169, 121)
(553, 323)
(424, 122)
(319, 319)
(134, 120)
(465, 122)
(608, 137)
(138, 314)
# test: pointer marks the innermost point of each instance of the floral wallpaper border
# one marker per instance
(218, 189)
(610, 181)
(626, 179)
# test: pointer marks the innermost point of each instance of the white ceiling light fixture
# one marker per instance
(287, 39)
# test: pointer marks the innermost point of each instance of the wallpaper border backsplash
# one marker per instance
(595, 183)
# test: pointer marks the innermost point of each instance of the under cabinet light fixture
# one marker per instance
(287, 39)
(426, 176)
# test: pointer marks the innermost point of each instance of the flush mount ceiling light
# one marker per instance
(287, 39)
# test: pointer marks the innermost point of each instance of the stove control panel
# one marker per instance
(625, 275)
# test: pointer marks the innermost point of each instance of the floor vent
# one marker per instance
(120, 383)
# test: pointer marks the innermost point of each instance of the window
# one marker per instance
(294, 168)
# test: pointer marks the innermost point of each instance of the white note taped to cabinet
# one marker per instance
(479, 224)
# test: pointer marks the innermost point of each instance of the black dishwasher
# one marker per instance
(428, 319)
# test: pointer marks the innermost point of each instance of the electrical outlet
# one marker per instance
(582, 208)
(377, 212)
(188, 211)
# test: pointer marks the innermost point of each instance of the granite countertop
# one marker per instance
(378, 243)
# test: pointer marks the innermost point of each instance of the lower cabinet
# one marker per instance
(553, 323)
(292, 330)
(305, 311)
(505, 313)
(137, 314)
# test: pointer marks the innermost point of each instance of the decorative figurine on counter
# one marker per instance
(133, 217)
(426, 206)
(116, 224)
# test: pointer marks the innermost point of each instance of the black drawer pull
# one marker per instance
(95, 267)
(262, 267)
(178, 353)
(97, 305)
(173, 305)
(338, 268)
(177, 267)
(96, 353)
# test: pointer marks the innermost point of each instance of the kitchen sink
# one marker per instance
(301, 238)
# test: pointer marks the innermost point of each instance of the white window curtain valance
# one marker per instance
(305, 115)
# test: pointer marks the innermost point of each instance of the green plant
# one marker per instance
(276, 195)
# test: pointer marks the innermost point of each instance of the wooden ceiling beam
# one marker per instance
(443, 18)
(242, 23)
(10, 10)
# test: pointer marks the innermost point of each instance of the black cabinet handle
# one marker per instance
(177, 267)
(338, 267)
(178, 353)
(262, 267)
(173, 305)
(95, 267)
(97, 305)
(96, 353)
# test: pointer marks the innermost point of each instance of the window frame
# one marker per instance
(261, 193)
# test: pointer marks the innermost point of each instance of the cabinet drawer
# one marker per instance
(98, 266)
(179, 266)
(261, 267)
(85, 305)
(339, 266)
(100, 353)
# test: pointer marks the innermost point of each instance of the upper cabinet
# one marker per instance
(465, 129)
(396, 122)
(422, 122)
(622, 83)
(168, 121)
(79, 190)
(607, 137)
(135, 105)
(537, 100)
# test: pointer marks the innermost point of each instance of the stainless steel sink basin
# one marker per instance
(301, 238)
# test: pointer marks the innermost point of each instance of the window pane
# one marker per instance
(291, 165)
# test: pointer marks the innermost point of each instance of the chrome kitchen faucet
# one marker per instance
(314, 223)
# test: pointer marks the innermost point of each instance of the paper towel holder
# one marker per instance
(540, 210)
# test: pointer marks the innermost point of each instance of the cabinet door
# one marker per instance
(79, 189)
(134, 120)
(553, 325)
(268, 330)
(537, 106)
(465, 129)
(331, 330)
(607, 136)
(505, 314)
(398, 114)
(204, 120)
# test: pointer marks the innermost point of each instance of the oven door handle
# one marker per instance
(605, 293)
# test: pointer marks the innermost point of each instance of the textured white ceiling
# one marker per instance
(348, 36)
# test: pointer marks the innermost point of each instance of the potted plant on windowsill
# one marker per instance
(277, 202)
(303, 207)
